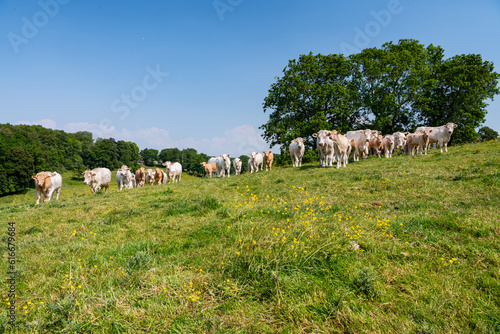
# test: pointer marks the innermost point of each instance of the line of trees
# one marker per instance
(189, 158)
(393, 88)
(28, 149)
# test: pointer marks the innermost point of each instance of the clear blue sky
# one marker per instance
(195, 73)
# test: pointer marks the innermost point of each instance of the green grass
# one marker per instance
(402, 245)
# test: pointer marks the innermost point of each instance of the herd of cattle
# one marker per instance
(332, 147)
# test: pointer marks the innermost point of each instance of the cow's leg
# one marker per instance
(38, 195)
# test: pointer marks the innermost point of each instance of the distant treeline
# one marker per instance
(28, 149)
(189, 158)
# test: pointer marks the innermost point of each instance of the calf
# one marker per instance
(223, 164)
(209, 168)
(150, 176)
(297, 150)
(237, 166)
(400, 141)
(342, 147)
(158, 176)
(174, 171)
(255, 161)
(268, 159)
(124, 178)
(46, 183)
(359, 141)
(376, 145)
(97, 178)
(140, 177)
(325, 147)
(418, 141)
(388, 145)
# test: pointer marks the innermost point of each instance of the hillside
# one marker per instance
(402, 245)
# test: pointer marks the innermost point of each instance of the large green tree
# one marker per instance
(461, 86)
(392, 81)
(314, 93)
(396, 87)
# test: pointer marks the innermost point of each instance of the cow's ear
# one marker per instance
(94, 174)
(119, 170)
(430, 131)
(454, 125)
(303, 140)
(362, 131)
(34, 177)
(315, 135)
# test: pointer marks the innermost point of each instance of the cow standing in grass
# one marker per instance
(46, 183)
(255, 161)
(418, 141)
(440, 135)
(297, 150)
(124, 178)
(97, 178)
(325, 148)
(173, 170)
(237, 166)
(140, 177)
(342, 147)
(268, 159)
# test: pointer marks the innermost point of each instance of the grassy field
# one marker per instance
(402, 245)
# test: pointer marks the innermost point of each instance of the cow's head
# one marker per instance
(86, 176)
(450, 127)
(42, 179)
(322, 136)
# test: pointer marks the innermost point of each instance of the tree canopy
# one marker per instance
(393, 88)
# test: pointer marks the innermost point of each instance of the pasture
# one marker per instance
(402, 245)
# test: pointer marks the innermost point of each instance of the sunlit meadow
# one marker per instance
(402, 245)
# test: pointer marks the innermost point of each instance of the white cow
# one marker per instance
(325, 147)
(440, 134)
(174, 171)
(150, 176)
(400, 141)
(388, 145)
(237, 166)
(256, 160)
(360, 142)
(223, 164)
(97, 178)
(369, 134)
(124, 178)
(46, 183)
(211, 160)
(341, 147)
(297, 150)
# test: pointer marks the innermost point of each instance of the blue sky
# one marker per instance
(195, 73)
